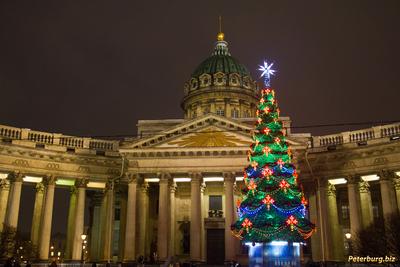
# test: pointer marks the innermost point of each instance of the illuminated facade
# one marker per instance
(174, 190)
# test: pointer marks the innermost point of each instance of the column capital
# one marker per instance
(229, 177)
(323, 183)
(331, 190)
(363, 187)
(39, 187)
(4, 184)
(203, 187)
(110, 184)
(165, 177)
(81, 183)
(385, 175)
(15, 176)
(49, 179)
(196, 177)
(133, 178)
(144, 187)
(353, 178)
(396, 182)
(173, 187)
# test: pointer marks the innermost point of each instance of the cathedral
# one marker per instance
(173, 190)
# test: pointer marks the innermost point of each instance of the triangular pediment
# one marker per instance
(209, 130)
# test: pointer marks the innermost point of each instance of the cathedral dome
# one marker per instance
(220, 85)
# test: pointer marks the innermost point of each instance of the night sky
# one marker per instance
(97, 67)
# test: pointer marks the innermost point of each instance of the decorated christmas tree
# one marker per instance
(273, 207)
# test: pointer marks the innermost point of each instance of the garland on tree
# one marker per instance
(273, 207)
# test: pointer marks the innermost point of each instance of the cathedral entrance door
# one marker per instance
(215, 246)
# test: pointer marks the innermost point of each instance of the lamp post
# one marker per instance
(83, 236)
(348, 237)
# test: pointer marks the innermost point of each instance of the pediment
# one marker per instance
(205, 132)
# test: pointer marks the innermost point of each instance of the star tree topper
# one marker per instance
(267, 72)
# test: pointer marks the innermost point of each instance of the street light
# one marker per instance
(348, 237)
(83, 236)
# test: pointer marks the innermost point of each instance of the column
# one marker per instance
(366, 204)
(95, 230)
(212, 106)
(123, 202)
(389, 205)
(14, 199)
(396, 182)
(322, 201)
(4, 192)
(316, 247)
(79, 219)
(71, 225)
(162, 235)
(45, 228)
(202, 226)
(107, 231)
(172, 224)
(228, 108)
(337, 244)
(195, 217)
(354, 204)
(37, 214)
(229, 180)
(130, 230)
(142, 220)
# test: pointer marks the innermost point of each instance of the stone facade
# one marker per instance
(173, 190)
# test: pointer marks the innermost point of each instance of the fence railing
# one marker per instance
(357, 136)
(12, 133)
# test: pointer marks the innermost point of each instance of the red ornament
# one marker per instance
(268, 200)
(262, 100)
(267, 172)
(259, 120)
(254, 164)
(266, 150)
(266, 130)
(277, 140)
(291, 221)
(304, 201)
(284, 185)
(252, 185)
(266, 109)
(247, 224)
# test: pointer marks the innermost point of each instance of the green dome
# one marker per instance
(220, 61)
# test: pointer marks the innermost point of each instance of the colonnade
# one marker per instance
(135, 240)
(328, 242)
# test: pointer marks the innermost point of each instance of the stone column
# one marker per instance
(228, 108)
(37, 214)
(316, 247)
(396, 182)
(171, 247)
(123, 201)
(389, 205)
(229, 179)
(354, 204)
(337, 245)
(4, 192)
(130, 230)
(107, 231)
(202, 226)
(79, 219)
(95, 231)
(323, 223)
(71, 225)
(45, 228)
(142, 220)
(366, 204)
(195, 217)
(14, 199)
(162, 235)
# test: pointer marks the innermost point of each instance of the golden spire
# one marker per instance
(220, 36)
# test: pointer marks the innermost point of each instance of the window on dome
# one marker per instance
(220, 112)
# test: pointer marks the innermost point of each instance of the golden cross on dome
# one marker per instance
(220, 36)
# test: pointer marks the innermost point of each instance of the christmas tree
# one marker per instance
(273, 207)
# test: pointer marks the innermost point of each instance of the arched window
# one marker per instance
(235, 113)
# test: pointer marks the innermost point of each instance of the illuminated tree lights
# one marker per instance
(273, 206)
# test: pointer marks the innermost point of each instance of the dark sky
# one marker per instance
(96, 67)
